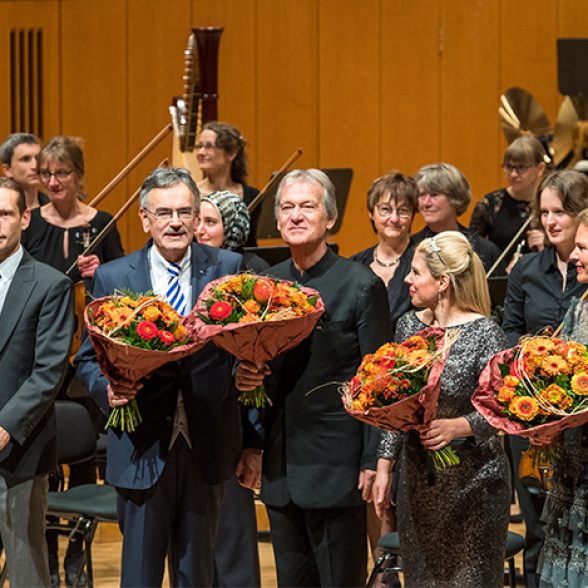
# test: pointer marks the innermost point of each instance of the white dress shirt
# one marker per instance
(159, 279)
(7, 270)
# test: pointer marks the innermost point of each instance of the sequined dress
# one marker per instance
(564, 559)
(453, 532)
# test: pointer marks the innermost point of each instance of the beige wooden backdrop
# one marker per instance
(369, 84)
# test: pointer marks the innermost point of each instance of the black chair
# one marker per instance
(83, 507)
(390, 546)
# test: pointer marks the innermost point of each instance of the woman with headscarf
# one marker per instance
(224, 222)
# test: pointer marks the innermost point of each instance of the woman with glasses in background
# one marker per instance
(392, 204)
(62, 229)
(222, 158)
(500, 214)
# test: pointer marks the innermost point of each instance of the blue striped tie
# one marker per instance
(174, 294)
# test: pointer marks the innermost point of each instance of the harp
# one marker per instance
(198, 103)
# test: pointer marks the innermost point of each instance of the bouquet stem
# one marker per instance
(543, 456)
(443, 458)
(257, 398)
(126, 418)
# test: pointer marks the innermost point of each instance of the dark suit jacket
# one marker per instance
(36, 326)
(136, 460)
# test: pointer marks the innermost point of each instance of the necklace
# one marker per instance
(385, 263)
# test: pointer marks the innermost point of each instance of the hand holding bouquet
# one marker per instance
(536, 390)
(397, 387)
(255, 319)
(134, 335)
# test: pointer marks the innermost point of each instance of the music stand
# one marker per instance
(341, 178)
(497, 287)
(572, 65)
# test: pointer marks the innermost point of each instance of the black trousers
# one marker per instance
(319, 547)
(178, 515)
(236, 557)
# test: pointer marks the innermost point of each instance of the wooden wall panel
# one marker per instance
(39, 15)
(237, 66)
(157, 37)
(94, 90)
(374, 84)
(349, 104)
(469, 92)
(528, 57)
(287, 83)
(410, 89)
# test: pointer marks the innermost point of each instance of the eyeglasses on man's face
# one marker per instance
(60, 174)
(165, 215)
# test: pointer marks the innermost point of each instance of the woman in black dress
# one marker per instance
(60, 230)
(500, 214)
(222, 158)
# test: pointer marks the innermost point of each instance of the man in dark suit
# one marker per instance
(36, 326)
(318, 462)
(168, 472)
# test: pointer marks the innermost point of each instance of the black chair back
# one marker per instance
(76, 437)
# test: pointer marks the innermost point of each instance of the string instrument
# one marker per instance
(198, 103)
(90, 246)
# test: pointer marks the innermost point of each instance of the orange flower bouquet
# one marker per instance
(134, 335)
(537, 389)
(255, 319)
(397, 387)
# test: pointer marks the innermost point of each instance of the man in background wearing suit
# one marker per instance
(36, 326)
(318, 461)
(168, 473)
(18, 160)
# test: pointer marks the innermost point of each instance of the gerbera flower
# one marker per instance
(220, 311)
(166, 337)
(580, 384)
(524, 407)
(147, 330)
(554, 365)
(540, 346)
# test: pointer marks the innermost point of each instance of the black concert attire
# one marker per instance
(398, 296)
(314, 451)
(535, 299)
(487, 251)
(498, 217)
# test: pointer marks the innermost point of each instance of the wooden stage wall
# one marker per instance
(367, 84)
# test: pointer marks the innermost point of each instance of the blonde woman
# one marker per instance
(452, 523)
